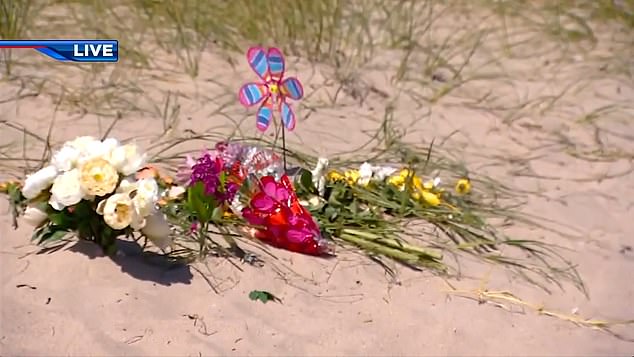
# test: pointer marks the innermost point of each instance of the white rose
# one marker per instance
(97, 149)
(111, 144)
(157, 230)
(147, 194)
(82, 143)
(365, 174)
(127, 159)
(66, 158)
(34, 216)
(117, 211)
(39, 181)
(66, 190)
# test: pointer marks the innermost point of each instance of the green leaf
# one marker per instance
(217, 213)
(304, 182)
(84, 230)
(83, 210)
(50, 233)
(60, 219)
(263, 296)
(37, 234)
(198, 202)
(15, 194)
(57, 235)
(223, 180)
(331, 213)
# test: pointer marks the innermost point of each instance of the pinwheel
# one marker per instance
(273, 91)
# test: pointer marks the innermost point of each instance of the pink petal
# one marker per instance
(269, 186)
(262, 202)
(282, 194)
(298, 235)
(251, 217)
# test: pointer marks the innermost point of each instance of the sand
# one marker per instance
(75, 302)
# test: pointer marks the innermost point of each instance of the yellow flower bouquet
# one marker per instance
(90, 189)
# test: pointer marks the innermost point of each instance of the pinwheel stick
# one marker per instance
(284, 147)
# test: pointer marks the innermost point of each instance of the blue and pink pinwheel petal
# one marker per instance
(251, 94)
(288, 116)
(264, 115)
(258, 61)
(276, 64)
(292, 88)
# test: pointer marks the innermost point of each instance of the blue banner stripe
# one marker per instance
(71, 50)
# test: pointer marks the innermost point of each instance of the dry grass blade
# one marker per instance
(503, 299)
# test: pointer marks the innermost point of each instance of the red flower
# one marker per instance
(285, 222)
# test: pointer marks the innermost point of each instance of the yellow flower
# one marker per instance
(397, 181)
(403, 177)
(4, 186)
(352, 176)
(405, 173)
(335, 176)
(428, 197)
(417, 183)
(420, 191)
(463, 186)
(431, 198)
(98, 177)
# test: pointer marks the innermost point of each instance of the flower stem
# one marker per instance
(202, 237)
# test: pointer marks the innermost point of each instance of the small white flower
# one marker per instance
(432, 183)
(365, 174)
(383, 172)
(66, 190)
(157, 230)
(127, 159)
(236, 205)
(319, 175)
(34, 216)
(39, 181)
(175, 192)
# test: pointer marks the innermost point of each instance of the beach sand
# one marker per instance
(75, 302)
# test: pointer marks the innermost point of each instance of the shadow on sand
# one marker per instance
(148, 266)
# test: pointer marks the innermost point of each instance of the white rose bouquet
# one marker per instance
(90, 189)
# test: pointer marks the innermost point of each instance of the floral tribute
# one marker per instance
(90, 188)
(103, 190)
